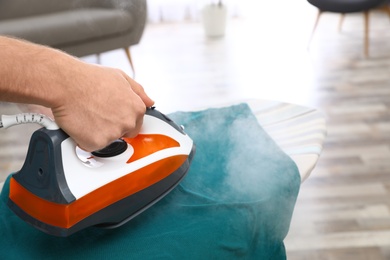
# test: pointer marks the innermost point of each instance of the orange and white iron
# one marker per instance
(61, 189)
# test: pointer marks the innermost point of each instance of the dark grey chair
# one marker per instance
(350, 6)
(78, 27)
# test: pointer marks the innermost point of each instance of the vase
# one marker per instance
(214, 20)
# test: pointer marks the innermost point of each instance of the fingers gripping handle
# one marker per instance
(27, 118)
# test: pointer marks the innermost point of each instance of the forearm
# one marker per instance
(31, 73)
(82, 97)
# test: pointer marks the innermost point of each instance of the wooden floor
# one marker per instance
(343, 210)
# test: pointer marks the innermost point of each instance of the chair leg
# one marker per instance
(341, 21)
(366, 34)
(387, 10)
(98, 58)
(127, 51)
(315, 27)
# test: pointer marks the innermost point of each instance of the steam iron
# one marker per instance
(61, 189)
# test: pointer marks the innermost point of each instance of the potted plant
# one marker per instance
(214, 19)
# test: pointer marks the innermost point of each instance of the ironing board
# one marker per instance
(298, 130)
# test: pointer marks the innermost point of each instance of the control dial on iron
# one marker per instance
(117, 147)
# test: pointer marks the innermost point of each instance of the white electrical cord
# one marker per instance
(27, 118)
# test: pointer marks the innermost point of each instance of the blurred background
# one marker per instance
(267, 51)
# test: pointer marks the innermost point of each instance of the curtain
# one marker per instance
(187, 10)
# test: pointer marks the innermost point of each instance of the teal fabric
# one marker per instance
(236, 202)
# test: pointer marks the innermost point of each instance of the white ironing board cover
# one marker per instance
(298, 130)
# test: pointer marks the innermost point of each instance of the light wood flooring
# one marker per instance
(343, 210)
